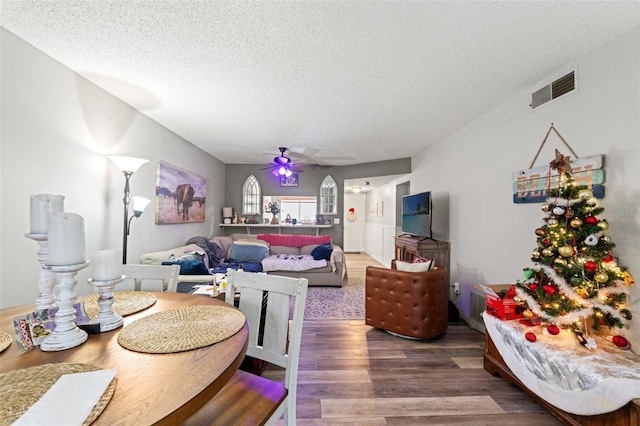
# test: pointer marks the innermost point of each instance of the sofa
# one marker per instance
(299, 256)
(406, 303)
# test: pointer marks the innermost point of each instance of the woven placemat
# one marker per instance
(5, 340)
(124, 303)
(181, 329)
(20, 389)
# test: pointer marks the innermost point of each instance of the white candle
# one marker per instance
(106, 265)
(66, 239)
(41, 205)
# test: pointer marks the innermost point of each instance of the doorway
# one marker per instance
(353, 238)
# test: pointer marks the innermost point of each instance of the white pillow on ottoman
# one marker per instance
(413, 267)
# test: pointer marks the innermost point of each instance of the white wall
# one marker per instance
(56, 129)
(469, 172)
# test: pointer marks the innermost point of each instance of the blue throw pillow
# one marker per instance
(243, 253)
(190, 264)
(323, 251)
(246, 266)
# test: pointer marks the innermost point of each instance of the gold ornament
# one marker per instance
(527, 314)
(606, 238)
(541, 232)
(585, 194)
(547, 252)
(560, 262)
(565, 251)
(603, 224)
(535, 254)
(552, 221)
(601, 277)
(545, 207)
(576, 222)
(569, 213)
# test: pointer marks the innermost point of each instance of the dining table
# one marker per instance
(150, 388)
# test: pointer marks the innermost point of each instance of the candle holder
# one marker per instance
(107, 318)
(46, 299)
(66, 334)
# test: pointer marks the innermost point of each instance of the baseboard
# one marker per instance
(473, 323)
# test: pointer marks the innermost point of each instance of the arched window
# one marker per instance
(251, 196)
(328, 196)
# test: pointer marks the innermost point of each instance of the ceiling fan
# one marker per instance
(282, 165)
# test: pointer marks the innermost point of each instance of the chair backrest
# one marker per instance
(265, 301)
(150, 277)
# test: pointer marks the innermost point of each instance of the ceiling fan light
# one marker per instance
(282, 160)
(289, 173)
(283, 171)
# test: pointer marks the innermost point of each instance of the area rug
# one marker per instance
(346, 302)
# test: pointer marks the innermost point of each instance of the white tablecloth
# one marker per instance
(565, 374)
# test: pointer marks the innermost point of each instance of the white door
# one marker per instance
(353, 237)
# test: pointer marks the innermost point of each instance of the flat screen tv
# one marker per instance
(416, 214)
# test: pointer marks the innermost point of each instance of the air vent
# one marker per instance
(561, 86)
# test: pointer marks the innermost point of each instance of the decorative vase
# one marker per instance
(274, 221)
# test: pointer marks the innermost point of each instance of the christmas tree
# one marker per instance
(574, 274)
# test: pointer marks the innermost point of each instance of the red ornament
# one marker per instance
(533, 286)
(549, 289)
(590, 266)
(546, 242)
(530, 337)
(608, 258)
(621, 342)
(553, 329)
(591, 220)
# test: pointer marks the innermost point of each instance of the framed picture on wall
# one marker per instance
(180, 195)
(289, 180)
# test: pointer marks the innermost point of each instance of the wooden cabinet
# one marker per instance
(407, 247)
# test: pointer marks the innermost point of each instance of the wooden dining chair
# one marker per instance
(150, 277)
(248, 399)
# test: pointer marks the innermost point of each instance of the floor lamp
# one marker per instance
(128, 166)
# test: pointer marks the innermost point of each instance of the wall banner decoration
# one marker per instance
(532, 185)
(180, 195)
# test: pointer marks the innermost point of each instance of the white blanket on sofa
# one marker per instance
(290, 262)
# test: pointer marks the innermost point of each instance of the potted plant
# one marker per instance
(274, 210)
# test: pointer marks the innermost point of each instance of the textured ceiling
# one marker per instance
(342, 82)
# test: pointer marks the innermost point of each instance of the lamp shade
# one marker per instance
(227, 212)
(139, 204)
(127, 164)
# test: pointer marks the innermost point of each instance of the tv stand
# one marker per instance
(408, 246)
(417, 238)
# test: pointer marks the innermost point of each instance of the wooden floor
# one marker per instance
(353, 374)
